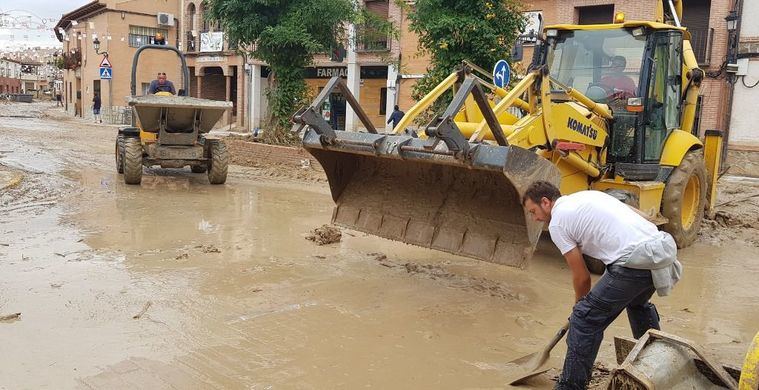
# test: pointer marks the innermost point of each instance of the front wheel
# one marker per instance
(219, 156)
(119, 154)
(132, 161)
(684, 199)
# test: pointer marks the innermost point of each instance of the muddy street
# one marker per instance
(180, 284)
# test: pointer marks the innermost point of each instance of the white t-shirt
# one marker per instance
(599, 224)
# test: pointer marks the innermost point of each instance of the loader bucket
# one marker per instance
(389, 186)
(443, 192)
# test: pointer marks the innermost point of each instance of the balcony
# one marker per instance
(370, 40)
(72, 60)
(702, 40)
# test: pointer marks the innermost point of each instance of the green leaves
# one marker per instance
(450, 31)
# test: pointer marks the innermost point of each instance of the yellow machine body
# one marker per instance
(570, 133)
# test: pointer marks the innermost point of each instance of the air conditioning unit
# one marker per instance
(165, 19)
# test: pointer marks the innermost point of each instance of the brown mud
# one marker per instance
(238, 299)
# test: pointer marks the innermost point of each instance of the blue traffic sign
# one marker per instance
(106, 73)
(501, 74)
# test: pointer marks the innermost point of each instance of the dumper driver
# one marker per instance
(639, 259)
(161, 84)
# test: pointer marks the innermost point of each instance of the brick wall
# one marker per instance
(254, 154)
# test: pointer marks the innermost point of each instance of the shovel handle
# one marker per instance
(559, 335)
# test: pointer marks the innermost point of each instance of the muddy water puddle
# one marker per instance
(230, 294)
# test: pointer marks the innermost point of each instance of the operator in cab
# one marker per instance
(616, 82)
(161, 84)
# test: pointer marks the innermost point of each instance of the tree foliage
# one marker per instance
(287, 34)
(450, 31)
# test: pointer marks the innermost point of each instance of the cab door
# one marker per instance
(663, 98)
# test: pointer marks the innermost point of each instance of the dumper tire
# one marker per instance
(684, 200)
(198, 169)
(119, 154)
(132, 161)
(219, 157)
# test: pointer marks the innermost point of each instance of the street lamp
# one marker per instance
(732, 20)
(96, 44)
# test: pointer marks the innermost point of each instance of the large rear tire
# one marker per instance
(119, 154)
(684, 199)
(217, 172)
(132, 161)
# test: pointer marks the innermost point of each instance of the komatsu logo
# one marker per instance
(586, 130)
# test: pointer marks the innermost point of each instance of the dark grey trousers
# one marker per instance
(619, 288)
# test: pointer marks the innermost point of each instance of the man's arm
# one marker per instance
(580, 274)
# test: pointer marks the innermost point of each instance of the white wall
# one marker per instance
(750, 22)
(743, 123)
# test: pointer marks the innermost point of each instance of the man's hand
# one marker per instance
(580, 274)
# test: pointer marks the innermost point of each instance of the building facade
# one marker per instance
(217, 70)
(10, 76)
(120, 26)
(370, 68)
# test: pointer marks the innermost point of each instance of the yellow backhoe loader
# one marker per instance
(609, 107)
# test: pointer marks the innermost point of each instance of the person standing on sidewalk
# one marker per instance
(396, 116)
(96, 103)
(639, 259)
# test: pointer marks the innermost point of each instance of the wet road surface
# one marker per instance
(229, 294)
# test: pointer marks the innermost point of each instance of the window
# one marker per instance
(599, 14)
(383, 101)
(598, 63)
(139, 35)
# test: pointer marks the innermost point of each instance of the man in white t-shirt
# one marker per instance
(639, 260)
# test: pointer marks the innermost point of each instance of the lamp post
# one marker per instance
(96, 45)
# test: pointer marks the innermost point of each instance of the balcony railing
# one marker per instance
(702, 40)
(371, 40)
(192, 43)
(72, 60)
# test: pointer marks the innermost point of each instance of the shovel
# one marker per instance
(531, 363)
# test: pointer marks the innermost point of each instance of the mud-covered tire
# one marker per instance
(132, 161)
(197, 168)
(219, 156)
(595, 266)
(119, 154)
(684, 199)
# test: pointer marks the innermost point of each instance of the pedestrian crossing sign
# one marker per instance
(105, 73)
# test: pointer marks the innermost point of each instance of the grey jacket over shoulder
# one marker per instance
(659, 255)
